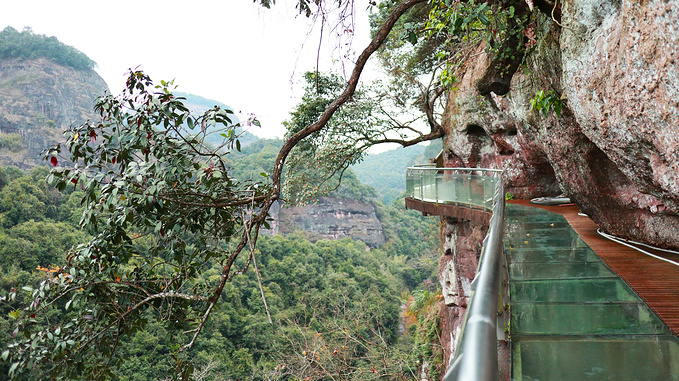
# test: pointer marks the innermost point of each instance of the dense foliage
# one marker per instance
(28, 45)
(334, 305)
(318, 163)
(167, 221)
(164, 218)
(161, 209)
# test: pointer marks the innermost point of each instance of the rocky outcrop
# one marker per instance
(330, 218)
(38, 100)
(614, 149)
(457, 268)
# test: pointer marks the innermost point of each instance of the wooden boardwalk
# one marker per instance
(655, 281)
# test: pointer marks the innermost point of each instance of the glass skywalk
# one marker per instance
(572, 318)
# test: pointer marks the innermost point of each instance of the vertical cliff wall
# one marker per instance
(462, 248)
(38, 100)
(330, 218)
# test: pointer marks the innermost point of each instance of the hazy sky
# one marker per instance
(232, 51)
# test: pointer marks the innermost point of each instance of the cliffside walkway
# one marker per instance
(572, 317)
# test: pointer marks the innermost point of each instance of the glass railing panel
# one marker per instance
(461, 183)
(444, 190)
(417, 190)
(410, 183)
(477, 191)
(429, 186)
(489, 188)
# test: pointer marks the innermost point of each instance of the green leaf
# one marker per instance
(557, 107)
(412, 37)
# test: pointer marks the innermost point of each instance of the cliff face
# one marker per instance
(457, 268)
(330, 218)
(614, 148)
(38, 99)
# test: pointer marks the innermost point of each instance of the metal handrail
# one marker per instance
(476, 356)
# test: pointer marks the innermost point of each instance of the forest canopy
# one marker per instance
(334, 306)
(28, 45)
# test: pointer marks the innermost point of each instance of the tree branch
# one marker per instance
(375, 44)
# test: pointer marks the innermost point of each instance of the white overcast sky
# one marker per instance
(231, 51)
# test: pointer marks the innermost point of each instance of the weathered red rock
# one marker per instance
(615, 147)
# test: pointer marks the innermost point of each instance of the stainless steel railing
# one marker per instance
(476, 356)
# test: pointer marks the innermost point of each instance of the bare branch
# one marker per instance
(375, 44)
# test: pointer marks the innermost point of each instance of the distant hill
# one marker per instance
(199, 105)
(386, 171)
(26, 45)
(45, 87)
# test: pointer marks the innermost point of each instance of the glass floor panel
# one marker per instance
(545, 234)
(628, 359)
(553, 255)
(584, 319)
(572, 290)
(517, 219)
(572, 318)
(523, 242)
(538, 225)
(529, 270)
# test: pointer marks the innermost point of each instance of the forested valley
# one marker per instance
(336, 307)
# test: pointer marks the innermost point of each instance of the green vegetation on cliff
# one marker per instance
(28, 45)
